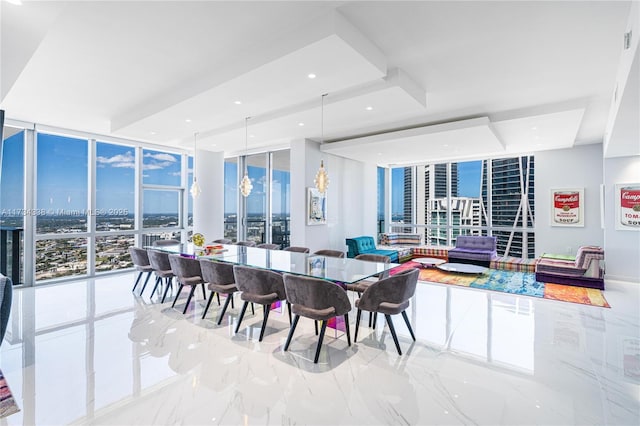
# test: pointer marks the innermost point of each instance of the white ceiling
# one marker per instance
(483, 78)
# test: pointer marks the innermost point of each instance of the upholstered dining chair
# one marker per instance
(140, 261)
(317, 299)
(163, 243)
(223, 241)
(389, 296)
(259, 286)
(220, 280)
(269, 246)
(330, 253)
(246, 243)
(360, 286)
(187, 271)
(159, 261)
(296, 249)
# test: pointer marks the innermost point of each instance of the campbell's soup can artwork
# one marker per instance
(630, 206)
(566, 207)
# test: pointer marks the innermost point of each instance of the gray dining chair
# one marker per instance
(163, 243)
(360, 286)
(162, 268)
(260, 286)
(223, 241)
(389, 296)
(330, 253)
(246, 243)
(317, 299)
(140, 261)
(269, 246)
(220, 280)
(296, 249)
(187, 271)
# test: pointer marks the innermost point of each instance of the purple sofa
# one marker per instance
(474, 249)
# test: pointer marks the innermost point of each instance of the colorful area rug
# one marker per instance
(523, 283)
(8, 405)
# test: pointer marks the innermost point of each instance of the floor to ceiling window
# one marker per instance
(280, 197)
(12, 209)
(482, 197)
(231, 198)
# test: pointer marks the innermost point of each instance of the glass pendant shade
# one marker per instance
(322, 179)
(245, 186)
(195, 189)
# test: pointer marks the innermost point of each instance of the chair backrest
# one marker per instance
(397, 289)
(139, 256)
(476, 242)
(186, 269)
(316, 294)
(162, 243)
(223, 241)
(269, 246)
(360, 245)
(159, 260)
(246, 243)
(330, 253)
(296, 249)
(586, 254)
(258, 281)
(379, 258)
(217, 272)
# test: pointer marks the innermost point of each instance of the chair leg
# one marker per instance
(244, 308)
(264, 320)
(252, 311)
(375, 319)
(218, 296)
(206, 308)
(322, 330)
(232, 307)
(145, 284)
(315, 323)
(346, 324)
(204, 293)
(224, 308)
(167, 284)
(177, 295)
(393, 333)
(291, 330)
(193, 289)
(406, 321)
(137, 280)
(355, 338)
(289, 310)
(155, 287)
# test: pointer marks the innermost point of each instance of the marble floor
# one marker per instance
(91, 352)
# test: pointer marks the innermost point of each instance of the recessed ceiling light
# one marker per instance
(188, 120)
(237, 102)
(152, 132)
(534, 128)
(213, 144)
(369, 108)
(445, 145)
(252, 136)
(300, 124)
(16, 2)
(311, 76)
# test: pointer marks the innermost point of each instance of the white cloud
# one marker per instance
(164, 157)
(158, 165)
(175, 174)
(126, 160)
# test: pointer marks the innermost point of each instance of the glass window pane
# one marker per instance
(160, 168)
(257, 200)
(230, 198)
(12, 203)
(62, 184)
(61, 258)
(160, 208)
(280, 198)
(115, 182)
(112, 252)
(381, 200)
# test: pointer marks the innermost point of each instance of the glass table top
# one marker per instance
(344, 270)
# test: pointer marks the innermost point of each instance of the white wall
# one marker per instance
(351, 198)
(579, 167)
(622, 248)
(208, 208)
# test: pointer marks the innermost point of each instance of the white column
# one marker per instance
(208, 208)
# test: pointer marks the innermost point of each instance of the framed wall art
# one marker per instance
(627, 201)
(316, 207)
(567, 207)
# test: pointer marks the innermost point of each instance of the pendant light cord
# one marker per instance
(195, 155)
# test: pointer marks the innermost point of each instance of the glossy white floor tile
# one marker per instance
(91, 352)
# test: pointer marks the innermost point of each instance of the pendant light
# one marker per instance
(245, 184)
(195, 188)
(322, 177)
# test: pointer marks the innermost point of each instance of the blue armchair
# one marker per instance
(367, 245)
